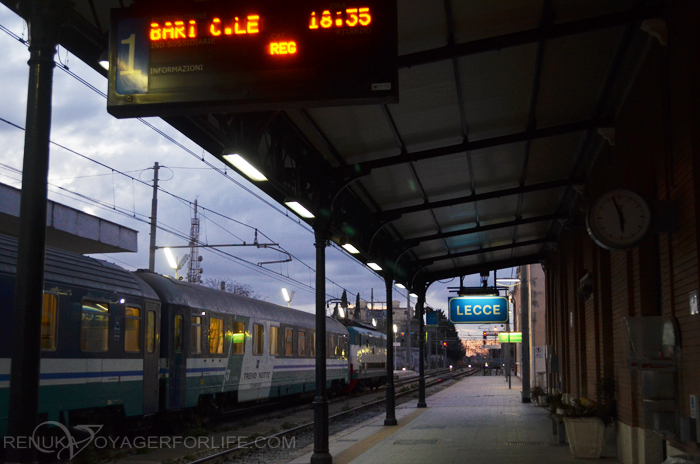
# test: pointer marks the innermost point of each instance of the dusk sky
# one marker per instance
(127, 150)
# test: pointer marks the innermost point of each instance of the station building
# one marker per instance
(629, 311)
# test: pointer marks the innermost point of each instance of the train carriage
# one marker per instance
(219, 349)
(99, 338)
(367, 357)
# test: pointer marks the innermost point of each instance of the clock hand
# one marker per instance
(619, 215)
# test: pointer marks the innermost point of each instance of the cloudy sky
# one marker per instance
(127, 150)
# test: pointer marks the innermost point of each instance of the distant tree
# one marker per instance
(232, 286)
(358, 313)
(344, 301)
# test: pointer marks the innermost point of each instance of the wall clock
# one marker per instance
(618, 219)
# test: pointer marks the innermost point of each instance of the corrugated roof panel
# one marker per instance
(496, 87)
(573, 72)
(571, 10)
(499, 167)
(445, 177)
(359, 133)
(478, 19)
(394, 187)
(542, 202)
(428, 114)
(421, 26)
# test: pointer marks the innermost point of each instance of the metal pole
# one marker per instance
(45, 20)
(525, 329)
(390, 400)
(409, 357)
(154, 221)
(420, 306)
(322, 453)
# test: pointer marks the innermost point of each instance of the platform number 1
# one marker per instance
(131, 42)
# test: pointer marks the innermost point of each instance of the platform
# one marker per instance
(477, 420)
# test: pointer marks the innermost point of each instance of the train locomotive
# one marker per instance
(119, 345)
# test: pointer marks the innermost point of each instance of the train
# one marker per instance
(120, 345)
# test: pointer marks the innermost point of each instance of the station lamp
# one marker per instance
(375, 266)
(299, 209)
(245, 167)
(351, 249)
(287, 295)
(400, 285)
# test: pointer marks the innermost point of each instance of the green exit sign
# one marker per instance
(510, 337)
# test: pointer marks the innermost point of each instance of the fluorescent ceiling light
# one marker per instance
(413, 295)
(245, 167)
(341, 313)
(375, 266)
(399, 285)
(351, 249)
(300, 210)
(104, 60)
(508, 279)
(171, 259)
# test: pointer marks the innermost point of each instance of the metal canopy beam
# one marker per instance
(412, 242)
(545, 32)
(393, 214)
(464, 254)
(466, 146)
(477, 268)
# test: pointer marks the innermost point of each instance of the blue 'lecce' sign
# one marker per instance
(478, 309)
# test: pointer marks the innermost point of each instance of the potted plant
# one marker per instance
(539, 396)
(586, 420)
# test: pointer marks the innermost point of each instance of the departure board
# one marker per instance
(190, 57)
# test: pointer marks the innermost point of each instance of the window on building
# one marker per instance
(312, 343)
(288, 342)
(274, 340)
(151, 331)
(94, 326)
(196, 335)
(258, 339)
(238, 337)
(216, 335)
(132, 332)
(177, 333)
(301, 343)
(49, 322)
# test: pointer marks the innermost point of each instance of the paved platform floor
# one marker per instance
(477, 420)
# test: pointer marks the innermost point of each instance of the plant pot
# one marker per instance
(542, 401)
(586, 436)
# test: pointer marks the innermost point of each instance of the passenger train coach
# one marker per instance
(119, 345)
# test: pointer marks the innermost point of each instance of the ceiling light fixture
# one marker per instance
(351, 249)
(245, 167)
(375, 266)
(299, 209)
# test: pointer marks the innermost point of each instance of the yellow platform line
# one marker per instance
(360, 447)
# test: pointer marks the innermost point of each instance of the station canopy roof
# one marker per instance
(503, 107)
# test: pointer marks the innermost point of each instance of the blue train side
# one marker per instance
(119, 345)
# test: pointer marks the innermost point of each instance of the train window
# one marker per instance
(334, 345)
(312, 343)
(94, 326)
(177, 334)
(151, 331)
(216, 335)
(49, 322)
(132, 335)
(357, 339)
(274, 340)
(238, 337)
(258, 339)
(288, 342)
(301, 343)
(196, 335)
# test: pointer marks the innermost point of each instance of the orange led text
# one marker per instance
(249, 25)
(351, 17)
(173, 30)
(283, 48)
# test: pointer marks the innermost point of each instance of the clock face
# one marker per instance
(618, 219)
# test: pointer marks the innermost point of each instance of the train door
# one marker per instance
(177, 363)
(151, 359)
